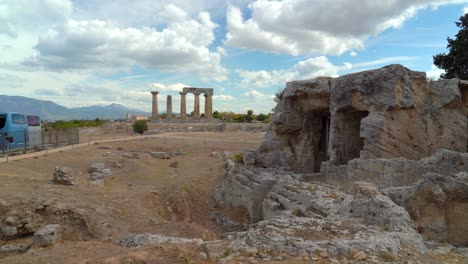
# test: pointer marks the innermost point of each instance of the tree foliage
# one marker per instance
(64, 125)
(455, 62)
(216, 114)
(140, 126)
(261, 117)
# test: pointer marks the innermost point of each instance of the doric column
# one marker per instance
(183, 107)
(196, 107)
(154, 109)
(208, 105)
(169, 107)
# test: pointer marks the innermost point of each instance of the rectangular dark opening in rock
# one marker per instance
(350, 143)
(321, 149)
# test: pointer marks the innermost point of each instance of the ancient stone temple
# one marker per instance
(208, 111)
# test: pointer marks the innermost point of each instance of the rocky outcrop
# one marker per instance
(332, 222)
(248, 187)
(403, 172)
(438, 204)
(387, 113)
(313, 183)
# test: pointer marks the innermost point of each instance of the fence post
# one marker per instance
(26, 140)
(3, 142)
(8, 152)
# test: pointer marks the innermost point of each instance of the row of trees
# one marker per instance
(247, 117)
(64, 125)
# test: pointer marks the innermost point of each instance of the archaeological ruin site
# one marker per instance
(370, 167)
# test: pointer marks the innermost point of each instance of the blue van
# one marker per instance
(13, 130)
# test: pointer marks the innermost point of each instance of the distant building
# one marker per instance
(132, 118)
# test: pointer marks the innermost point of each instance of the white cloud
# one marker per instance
(383, 61)
(310, 68)
(323, 27)
(465, 10)
(103, 46)
(177, 87)
(223, 97)
(254, 94)
(353, 53)
(434, 73)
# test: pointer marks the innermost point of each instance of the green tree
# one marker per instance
(261, 117)
(216, 114)
(249, 116)
(455, 62)
(140, 126)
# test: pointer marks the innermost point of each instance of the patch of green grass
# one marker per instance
(226, 253)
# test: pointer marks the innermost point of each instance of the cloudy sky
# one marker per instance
(97, 52)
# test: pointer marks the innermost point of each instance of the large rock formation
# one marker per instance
(387, 113)
(313, 183)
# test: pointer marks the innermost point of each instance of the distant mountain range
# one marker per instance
(51, 111)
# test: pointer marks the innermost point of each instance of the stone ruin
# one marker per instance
(385, 148)
(208, 93)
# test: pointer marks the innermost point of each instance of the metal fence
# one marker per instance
(36, 140)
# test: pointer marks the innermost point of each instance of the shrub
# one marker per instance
(238, 157)
(140, 126)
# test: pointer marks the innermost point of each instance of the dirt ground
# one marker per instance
(145, 195)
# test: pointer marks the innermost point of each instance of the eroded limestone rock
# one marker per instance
(390, 112)
(438, 205)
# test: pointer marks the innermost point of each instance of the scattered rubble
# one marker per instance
(64, 175)
(160, 155)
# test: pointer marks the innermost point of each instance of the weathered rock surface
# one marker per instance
(15, 248)
(64, 175)
(248, 187)
(403, 172)
(96, 167)
(136, 240)
(48, 235)
(160, 155)
(438, 205)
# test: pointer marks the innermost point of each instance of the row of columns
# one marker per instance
(183, 107)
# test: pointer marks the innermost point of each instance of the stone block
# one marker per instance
(48, 235)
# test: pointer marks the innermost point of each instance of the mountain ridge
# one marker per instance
(49, 110)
